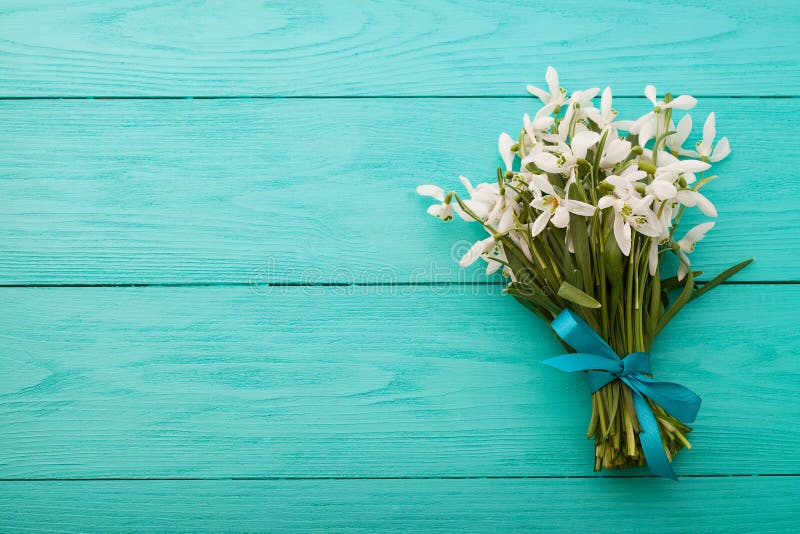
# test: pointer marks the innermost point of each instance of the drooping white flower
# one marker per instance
(705, 148)
(562, 157)
(614, 151)
(475, 251)
(504, 144)
(603, 117)
(482, 198)
(651, 123)
(631, 214)
(556, 209)
(687, 243)
(675, 141)
(556, 96)
(442, 210)
(691, 198)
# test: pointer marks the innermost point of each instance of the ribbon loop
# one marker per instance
(603, 366)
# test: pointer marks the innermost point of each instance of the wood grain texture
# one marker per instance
(314, 190)
(228, 382)
(146, 47)
(746, 504)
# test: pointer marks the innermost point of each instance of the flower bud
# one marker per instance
(508, 175)
(647, 167)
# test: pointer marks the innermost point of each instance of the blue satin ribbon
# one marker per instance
(603, 365)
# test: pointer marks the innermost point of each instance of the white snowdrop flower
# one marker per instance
(443, 210)
(631, 214)
(556, 209)
(579, 107)
(475, 251)
(505, 210)
(556, 96)
(704, 147)
(614, 151)
(687, 244)
(482, 198)
(684, 168)
(537, 127)
(649, 119)
(675, 141)
(504, 144)
(567, 155)
(493, 266)
(691, 198)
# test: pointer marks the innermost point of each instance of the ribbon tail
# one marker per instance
(650, 438)
(680, 402)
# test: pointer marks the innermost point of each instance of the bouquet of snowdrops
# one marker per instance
(580, 217)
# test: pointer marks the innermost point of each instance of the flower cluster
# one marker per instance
(574, 159)
(583, 211)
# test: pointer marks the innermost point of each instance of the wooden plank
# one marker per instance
(741, 504)
(344, 381)
(313, 190)
(136, 47)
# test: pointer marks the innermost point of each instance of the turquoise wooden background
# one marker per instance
(224, 308)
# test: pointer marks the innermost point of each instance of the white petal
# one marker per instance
(539, 93)
(663, 189)
(542, 184)
(646, 132)
(492, 266)
(467, 184)
(578, 208)
(481, 209)
(652, 257)
(650, 93)
(638, 123)
(706, 206)
(582, 141)
(431, 191)
(540, 223)
(682, 270)
(605, 202)
(552, 81)
(506, 221)
(682, 102)
(546, 161)
(605, 101)
(504, 145)
(622, 233)
(683, 130)
(476, 250)
(694, 235)
(710, 128)
(560, 218)
(722, 150)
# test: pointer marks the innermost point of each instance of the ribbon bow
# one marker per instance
(604, 365)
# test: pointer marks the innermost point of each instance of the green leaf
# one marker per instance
(580, 242)
(571, 293)
(721, 277)
(683, 298)
(534, 295)
(668, 284)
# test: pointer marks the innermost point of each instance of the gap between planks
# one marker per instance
(443, 477)
(344, 284)
(354, 97)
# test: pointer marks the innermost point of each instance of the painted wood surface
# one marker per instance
(315, 191)
(143, 47)
(385, 403)
(743, 504)
(360, 382)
